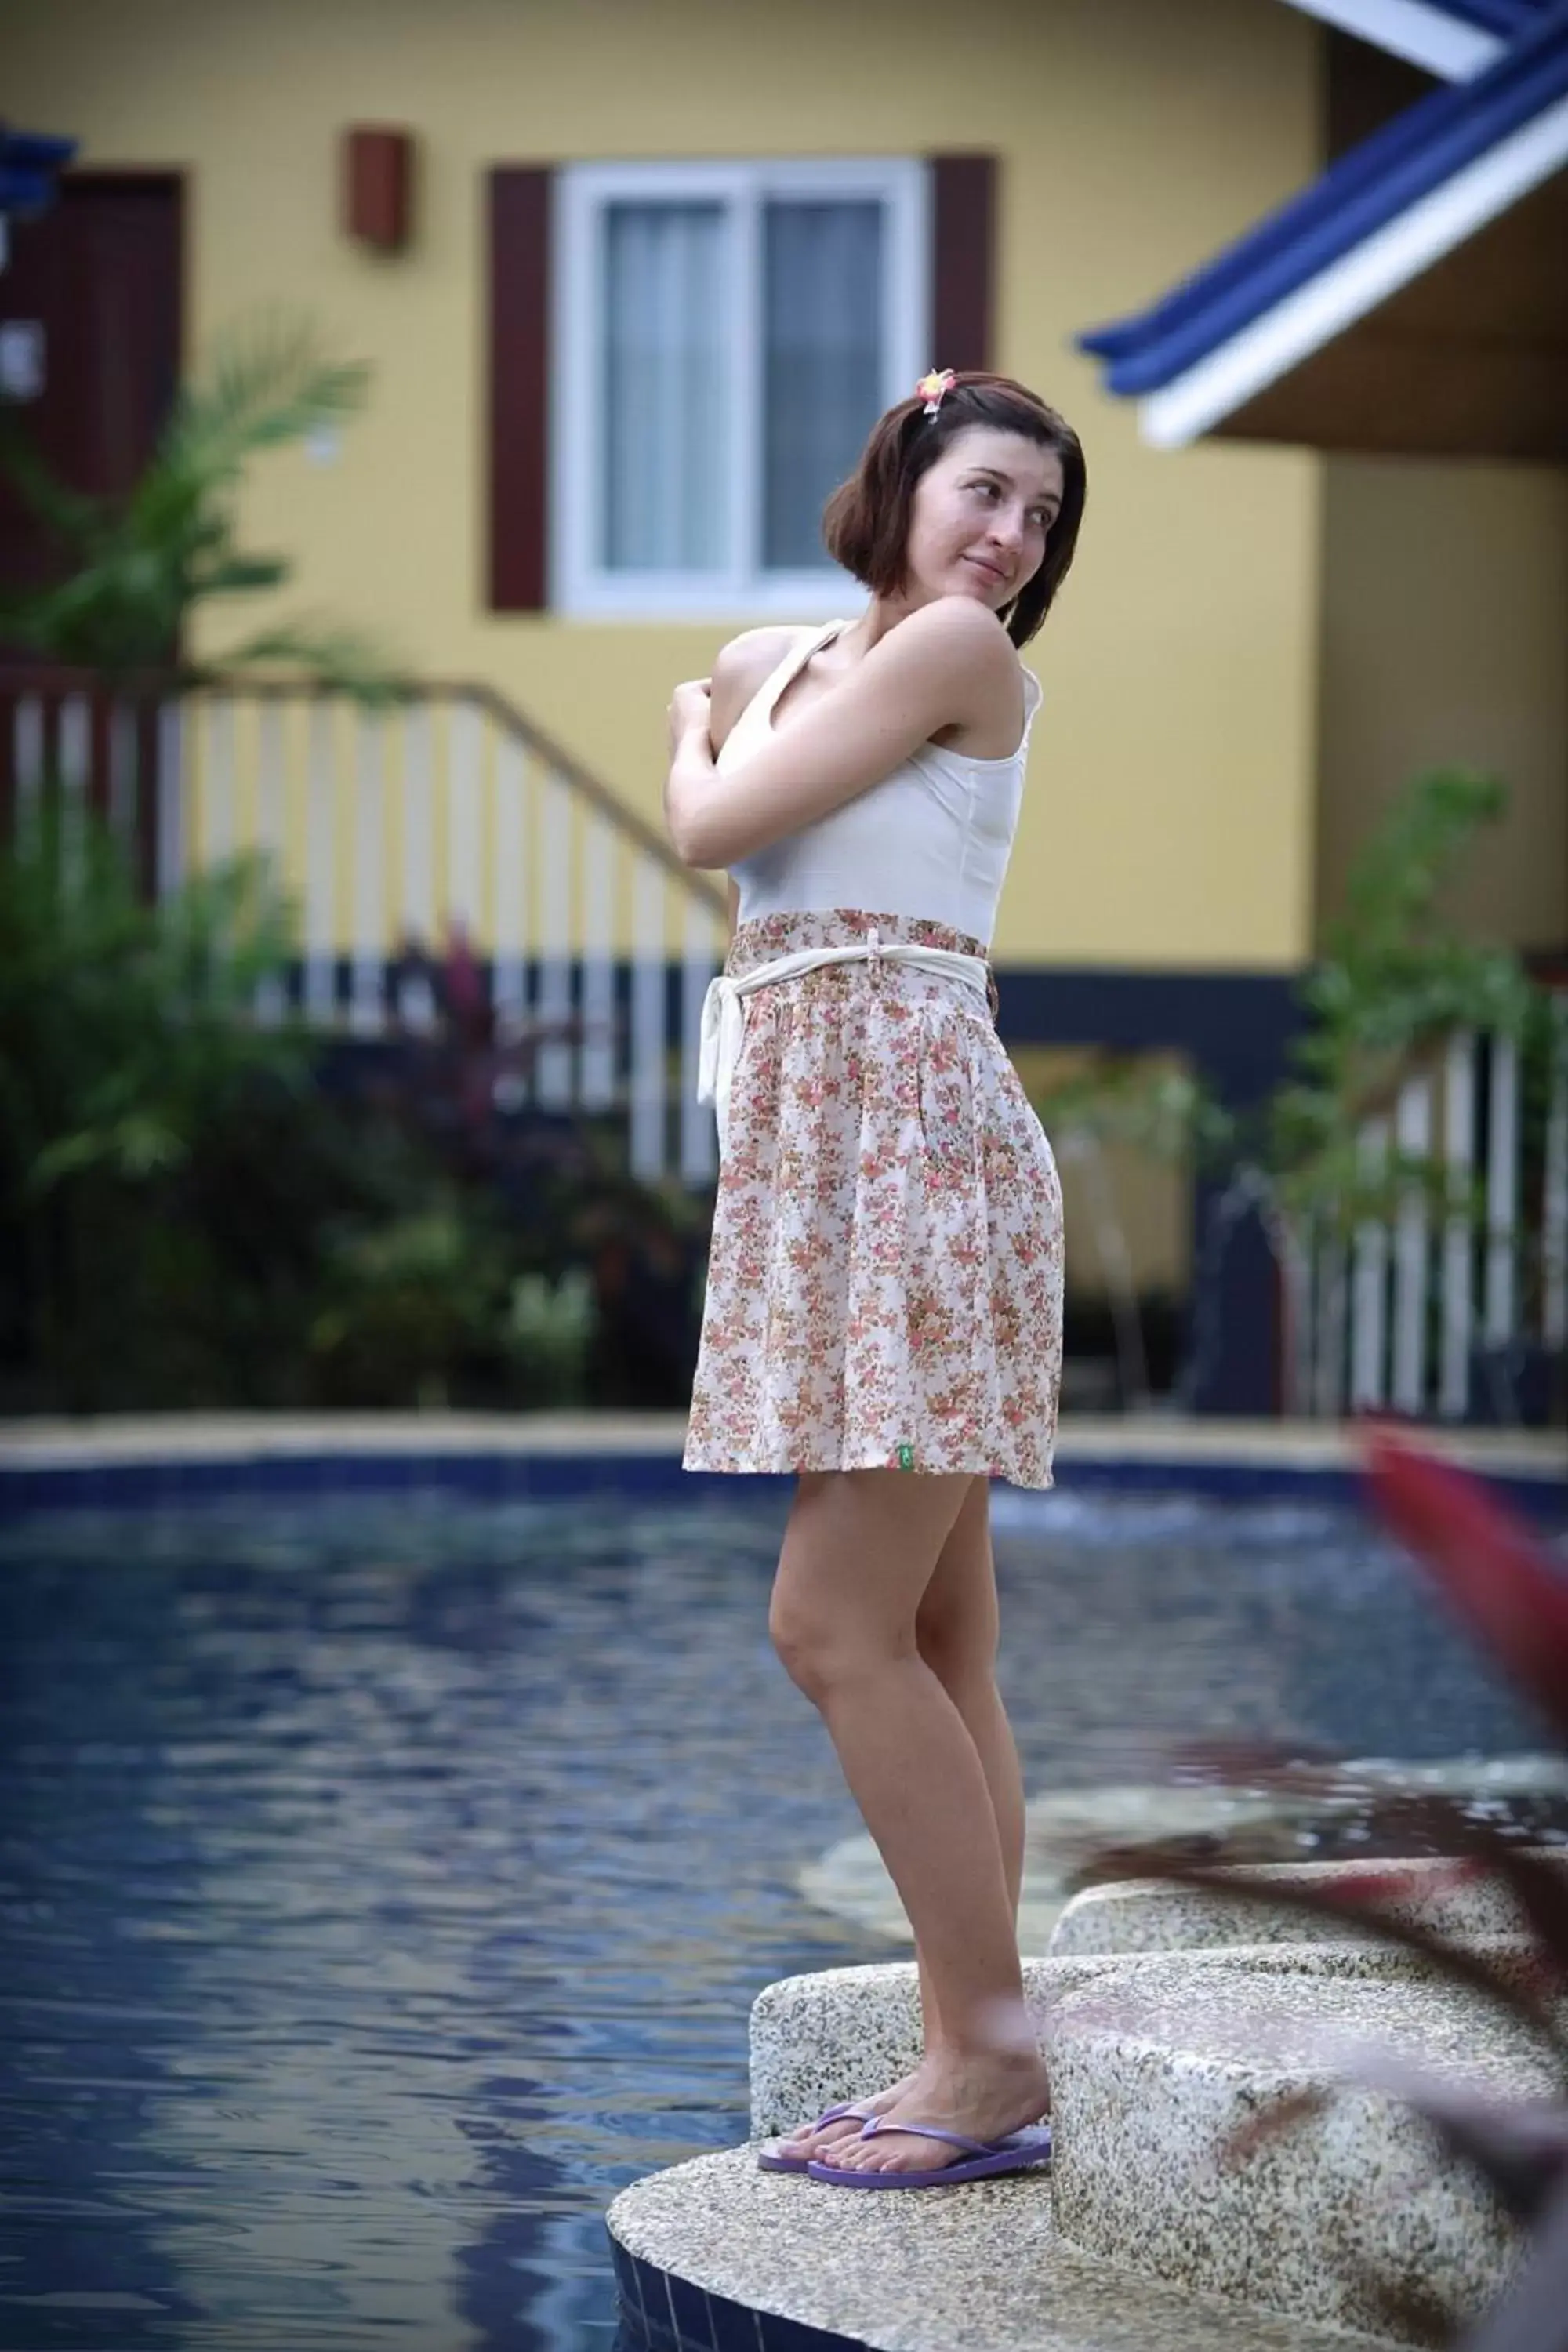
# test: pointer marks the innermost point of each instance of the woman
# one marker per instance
(884, 1289)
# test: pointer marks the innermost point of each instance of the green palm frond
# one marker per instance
(340, 658)
(143, 565)
(69, 514)
(265, 385)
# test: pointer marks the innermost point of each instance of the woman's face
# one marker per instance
(979, 516)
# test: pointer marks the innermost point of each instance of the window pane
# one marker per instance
(666, 443)
(822, 364)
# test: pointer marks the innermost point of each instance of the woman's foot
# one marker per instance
(807, 2140)
(984, 2098)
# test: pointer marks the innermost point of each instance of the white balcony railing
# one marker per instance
(1394, 1318)
(446, 814)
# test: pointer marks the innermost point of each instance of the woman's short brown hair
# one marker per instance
(866, 522)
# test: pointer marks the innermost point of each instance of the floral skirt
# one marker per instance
(885, 1281)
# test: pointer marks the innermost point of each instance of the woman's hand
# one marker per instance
(690, 708)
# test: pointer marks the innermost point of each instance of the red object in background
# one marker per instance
(1489, 1565)
(378, 186)
(93, 292)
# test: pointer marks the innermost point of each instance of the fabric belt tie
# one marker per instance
(724, 1006)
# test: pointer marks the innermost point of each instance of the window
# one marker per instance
(725, 336)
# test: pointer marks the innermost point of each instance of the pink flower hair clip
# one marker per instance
(932, 388)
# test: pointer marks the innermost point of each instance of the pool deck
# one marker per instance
(164, 1460)
(1148, 1440)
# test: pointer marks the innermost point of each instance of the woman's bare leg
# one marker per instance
(956, 1633)
(860, 1551)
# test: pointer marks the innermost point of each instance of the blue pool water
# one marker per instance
(385, 1883)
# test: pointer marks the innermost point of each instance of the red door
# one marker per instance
(90, 338)
(89, 360)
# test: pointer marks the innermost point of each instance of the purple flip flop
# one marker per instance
(1018, 2151)
(769, 2162)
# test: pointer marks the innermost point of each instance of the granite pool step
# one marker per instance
(1160, 2067)
(1143, 2239)
(1138, 1915)
(715, 2256)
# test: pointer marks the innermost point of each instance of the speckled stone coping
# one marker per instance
(1139, 1914)
(712, 2250)
(843, 2034)
(1162, 2040)
(1154, 2076)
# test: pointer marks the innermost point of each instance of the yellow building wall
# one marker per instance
(1446, 645)
(1169, 815)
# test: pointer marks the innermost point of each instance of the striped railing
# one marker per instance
(1393, 1317)
(442, 814)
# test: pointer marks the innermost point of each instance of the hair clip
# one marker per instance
(932, 388)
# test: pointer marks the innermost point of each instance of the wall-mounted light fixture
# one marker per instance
(378, 186)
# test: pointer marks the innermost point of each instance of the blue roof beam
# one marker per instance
(1382, 216)
(1453, 42)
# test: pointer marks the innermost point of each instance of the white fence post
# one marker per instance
(321, 825)
(1554, 1187)
(552, 1005)
(1369, 1311)
(699, 1134)
(28, 748)
(1328, 1330)
(465, 825)
(415, 897)
(513, 938)
(1502, 1190)
(597, 1078)
(1413, 1136)
(123, 795)
(75, 761)
(171, 820)
(1458, 1252)
(648, 1054)
(272, 833)
(368, 834)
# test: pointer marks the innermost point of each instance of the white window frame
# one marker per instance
(579, 585)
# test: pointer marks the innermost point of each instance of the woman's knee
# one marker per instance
(820, 1646)
(962, 1654)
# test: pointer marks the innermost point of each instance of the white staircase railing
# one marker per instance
(1394, 1319)
(446, 812)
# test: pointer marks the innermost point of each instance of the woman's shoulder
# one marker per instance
(756, 651)
(742, 667)
(959, 627)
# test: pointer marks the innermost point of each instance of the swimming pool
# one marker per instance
(385, 1880)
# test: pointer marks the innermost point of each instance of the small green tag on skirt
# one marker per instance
(906, 1457)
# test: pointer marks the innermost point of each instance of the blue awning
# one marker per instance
(29, 162)
(1426, 150)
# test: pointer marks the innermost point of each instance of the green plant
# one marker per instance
(408, 1303)
(125, 1038)
(137, 568)
(549, 1329)
(1393, 985)
(1119, 1101)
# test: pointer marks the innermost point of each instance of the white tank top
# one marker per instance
(931, 840)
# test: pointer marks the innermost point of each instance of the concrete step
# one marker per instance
(716, 2256)
(1138, 1915)
(1142, 2239)
(1156, 2068)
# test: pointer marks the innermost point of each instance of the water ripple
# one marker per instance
(384, 1884)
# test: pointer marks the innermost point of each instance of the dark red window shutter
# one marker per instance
(518, 422)
(963, 260)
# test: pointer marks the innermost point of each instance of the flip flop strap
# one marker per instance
(933, 2131)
